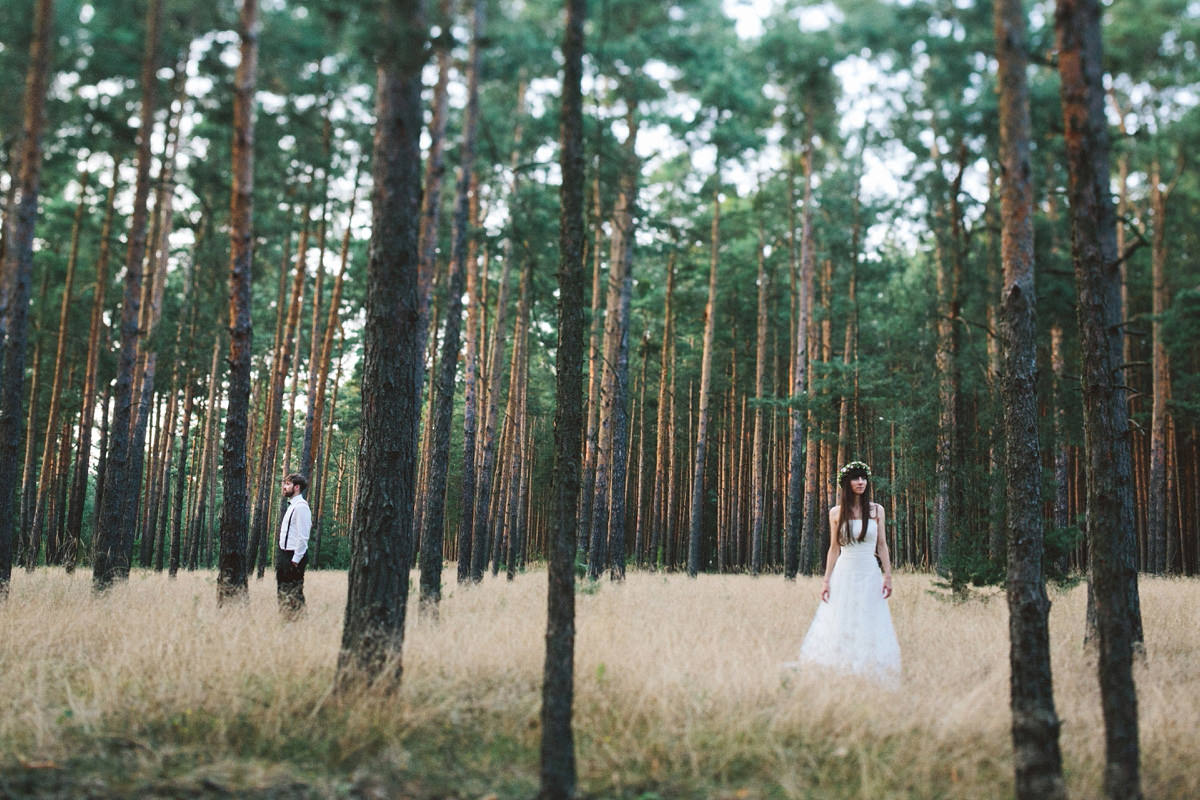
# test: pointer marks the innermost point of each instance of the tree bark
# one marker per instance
(20, 223)
(1035, 725)
(380, 542)
(433, 520)
(280, 368)
(1106, 424)
(83, 451)
(660, 511)
(493, 386)
(760, 377)
(1160, 415)
(558, 777)
(48, 442)
(795, 496)
(235, 511)
(710, 308)
(114, 534)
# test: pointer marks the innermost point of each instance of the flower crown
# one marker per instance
(851, 467)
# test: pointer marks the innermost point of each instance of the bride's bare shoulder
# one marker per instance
(833, 512)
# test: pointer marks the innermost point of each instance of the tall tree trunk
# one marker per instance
(620, 261)
(114, 534)
(947, 511)
(235, 511)
(1035, 725)
(619, 452)
(558, 777)
(710, 308)
(495, 381)
(316, 412)
(760, 379)
(381, 550)
(20, 223)
(471, 381)
(280, 368)
(595, 368)
(435, 172)
(1160, 415)
(660, 512)
(433, 521)
(48, 443)
(1106, 423)
(83, 452)
(197, 524)
(795, 505)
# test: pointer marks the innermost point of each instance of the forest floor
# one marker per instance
(152, 691)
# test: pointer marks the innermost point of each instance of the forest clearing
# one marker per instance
(680, 693)
(723, 293)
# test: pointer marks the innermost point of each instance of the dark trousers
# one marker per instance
(289, 582)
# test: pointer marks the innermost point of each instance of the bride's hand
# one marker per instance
(825, 591)
(887, 586)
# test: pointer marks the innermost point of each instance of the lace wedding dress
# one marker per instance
(853, 631)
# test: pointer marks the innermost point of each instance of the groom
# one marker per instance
(292, 556)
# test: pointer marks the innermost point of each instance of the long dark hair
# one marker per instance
(849, 499)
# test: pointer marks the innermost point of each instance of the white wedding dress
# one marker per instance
(853, 631)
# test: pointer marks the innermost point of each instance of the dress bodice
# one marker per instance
(867, 545)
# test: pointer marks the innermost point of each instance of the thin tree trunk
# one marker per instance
(317, 409)
(620, 261)
(83, 452)
(795, 506)
(1106, 424)
(19, 225)
(433, 520)
(760, 379)
(660, 511)
(114, 535)
(558, 776)
(1160, 537)
(595, 368)
(280, 368)
(1036, 756)
(48, 443)
(493, 386)
(710, 308)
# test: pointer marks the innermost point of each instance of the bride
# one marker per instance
(852, 629)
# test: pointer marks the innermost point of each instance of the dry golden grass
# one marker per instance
(680, 693)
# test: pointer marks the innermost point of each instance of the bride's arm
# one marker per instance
(881, 550)
(831, 557)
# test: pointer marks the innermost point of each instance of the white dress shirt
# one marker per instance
(295, 528)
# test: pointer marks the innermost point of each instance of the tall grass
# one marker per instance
(679, 692)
